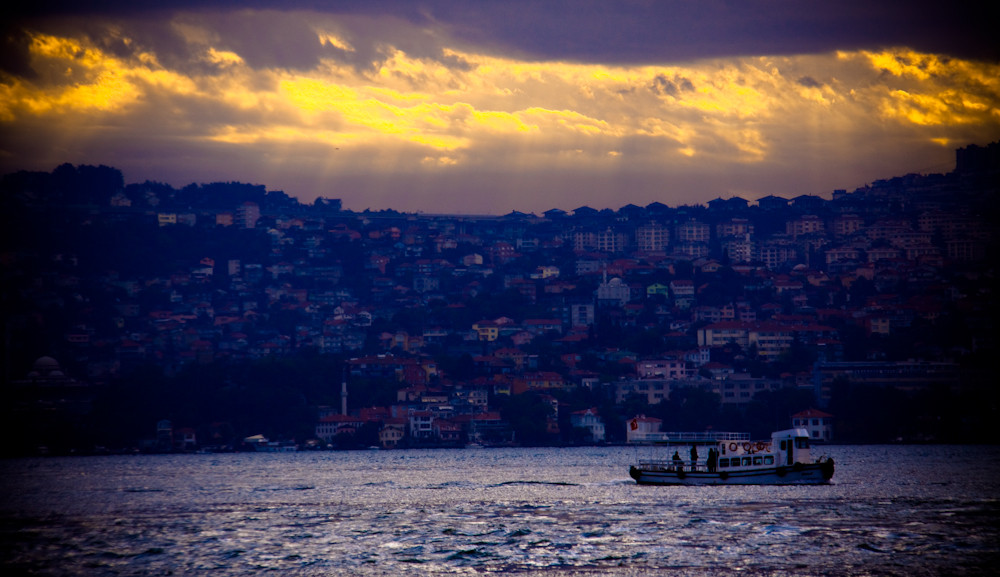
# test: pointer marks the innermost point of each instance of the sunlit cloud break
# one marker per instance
(460, 110)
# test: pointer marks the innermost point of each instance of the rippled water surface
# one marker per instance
(890, 511)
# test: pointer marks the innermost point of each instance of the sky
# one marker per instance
(462, 107)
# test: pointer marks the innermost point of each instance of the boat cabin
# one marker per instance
(731, 451)
(785, 449)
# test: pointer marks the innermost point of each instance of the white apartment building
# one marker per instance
(693, 231)
(662, 369)
(652, 237)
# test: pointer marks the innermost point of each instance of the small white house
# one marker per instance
(590, 420)
(818, 423)
(640, 426)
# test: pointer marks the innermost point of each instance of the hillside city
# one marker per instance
(224, 316)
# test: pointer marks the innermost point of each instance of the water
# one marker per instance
(891, 511)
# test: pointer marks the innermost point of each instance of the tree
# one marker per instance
(690, 409)
(461, 368)
(528, 417)
(772, 410)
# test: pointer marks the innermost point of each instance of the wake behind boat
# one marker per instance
(718, 458)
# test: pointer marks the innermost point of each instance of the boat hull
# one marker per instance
(797, 474)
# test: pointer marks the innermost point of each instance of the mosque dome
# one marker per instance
(46, 366)
(46, 371)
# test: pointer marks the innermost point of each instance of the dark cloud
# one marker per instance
(671, 87)
(264, 38)
(267, 40)
(809, 82)
(655, 32)
(14, 54)
(662, 85)
(622, 32)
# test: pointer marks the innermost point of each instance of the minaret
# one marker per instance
(343, 393)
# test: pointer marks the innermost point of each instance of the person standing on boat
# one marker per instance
(712, 456)
(677, 461)
(694, 456)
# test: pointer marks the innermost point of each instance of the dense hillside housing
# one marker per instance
(448, 322)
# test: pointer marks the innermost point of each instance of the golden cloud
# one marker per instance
(930, 90)
(335, 41)
(90, 79)
(223, 57)
(585, 112)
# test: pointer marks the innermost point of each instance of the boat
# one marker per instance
(721, 458)
(261, 444)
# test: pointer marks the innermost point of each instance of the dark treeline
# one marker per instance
(69, 185)
(278, 398)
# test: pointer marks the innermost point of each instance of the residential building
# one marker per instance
(739, 388)
(641, 427)
(670, 369)
(247, 215)
(591, 421)
(905, 376)
(693, 231)
(487, 330)
(807, 224)
(818, 423)
(421, 425)
(652, 238)
(652, 391)
(738, 227)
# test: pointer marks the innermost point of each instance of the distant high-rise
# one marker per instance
(847, 224)
(693, 231)
(652, 237)
(734, 227)
(972, 158)
(806, 224)
(247, 215)
(611, 240)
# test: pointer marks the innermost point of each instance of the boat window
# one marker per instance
(783, 445)
(802, 443)
(758, 460)
(746, 461)
(723, 463)
(769, 459)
